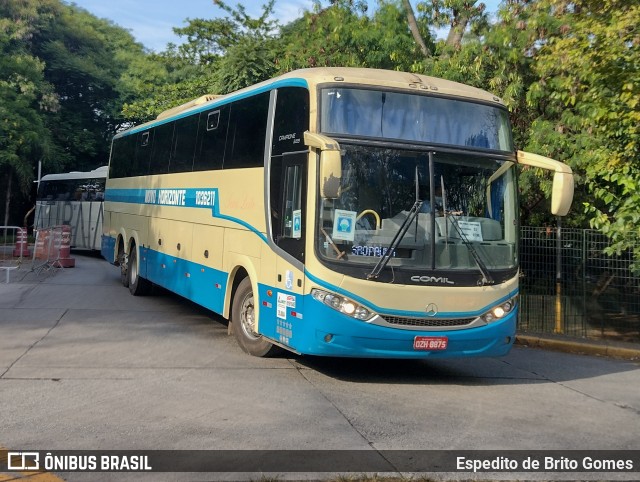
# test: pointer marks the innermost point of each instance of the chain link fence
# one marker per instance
(569, 286)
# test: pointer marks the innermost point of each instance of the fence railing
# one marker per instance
(52, 248)
(14, 248)
(570, 286)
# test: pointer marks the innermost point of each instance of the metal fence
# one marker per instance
(13, 250)
(569, 286)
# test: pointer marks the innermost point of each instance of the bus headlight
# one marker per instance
(500, 311)
(343, 305)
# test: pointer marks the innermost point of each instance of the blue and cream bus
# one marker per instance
(331, 211)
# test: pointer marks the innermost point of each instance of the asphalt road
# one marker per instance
(86, 366)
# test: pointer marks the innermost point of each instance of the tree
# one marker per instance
(344, 34)
(415, 29)
(219, 56)
(26, 96)
(64, 75)
(588, 87)
(85, 59)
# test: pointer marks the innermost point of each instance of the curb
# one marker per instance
(580, 347)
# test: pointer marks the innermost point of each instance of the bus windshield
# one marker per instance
(415, 118)
(465, 207)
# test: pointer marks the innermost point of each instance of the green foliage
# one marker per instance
(84, 58)
(344, 35)
(219, 56)
(587, 91)
(26, 95)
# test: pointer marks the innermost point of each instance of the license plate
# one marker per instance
(430, 343)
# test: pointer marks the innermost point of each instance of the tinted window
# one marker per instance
(162, 141)
(186, 131)
(291, 120)
(143, 153)
(123, 153)
(72, 190)
(247, 129)
(212, 134)
(413, 117)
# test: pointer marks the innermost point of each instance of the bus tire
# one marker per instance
(242, 322)
(137, 286)
(122, 262)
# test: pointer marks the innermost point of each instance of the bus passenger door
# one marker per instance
(289, 230)
(293, 192)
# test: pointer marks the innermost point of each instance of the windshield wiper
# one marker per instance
(404, 227)
(487, 279)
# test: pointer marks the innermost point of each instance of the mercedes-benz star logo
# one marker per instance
(432, 309)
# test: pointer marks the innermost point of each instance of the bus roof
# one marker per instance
(321, 75)
(393, 79)
(99, 172)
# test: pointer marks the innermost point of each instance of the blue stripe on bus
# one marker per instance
(200, 198)
(198, 283)
(293, 82)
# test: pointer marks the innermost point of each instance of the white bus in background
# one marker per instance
(76, 199)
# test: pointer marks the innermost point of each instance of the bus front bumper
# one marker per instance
(345, 337)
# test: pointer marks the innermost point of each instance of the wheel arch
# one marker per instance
(133, 240)
(242, 268)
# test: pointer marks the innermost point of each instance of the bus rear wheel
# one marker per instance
(243, 314)
(137, 286)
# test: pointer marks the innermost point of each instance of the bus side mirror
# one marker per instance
(562, 190)
(330, 163)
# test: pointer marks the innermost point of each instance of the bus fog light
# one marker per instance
(328, 337)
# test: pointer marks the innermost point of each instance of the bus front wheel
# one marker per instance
(243, 314)
(137, 286)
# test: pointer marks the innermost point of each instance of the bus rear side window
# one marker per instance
(123, 156)
(162, 142)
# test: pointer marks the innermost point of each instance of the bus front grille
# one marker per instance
(429, 322)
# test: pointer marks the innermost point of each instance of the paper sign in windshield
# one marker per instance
(471, 229)
(344, 225)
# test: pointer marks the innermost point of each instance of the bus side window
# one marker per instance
(161, 149)
(186, 131)
(291, 120)
(212, 134)
(122, 156)
(247, 131)
(143, 153)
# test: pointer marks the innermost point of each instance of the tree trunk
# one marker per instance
(413, 26)
(454, 38)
